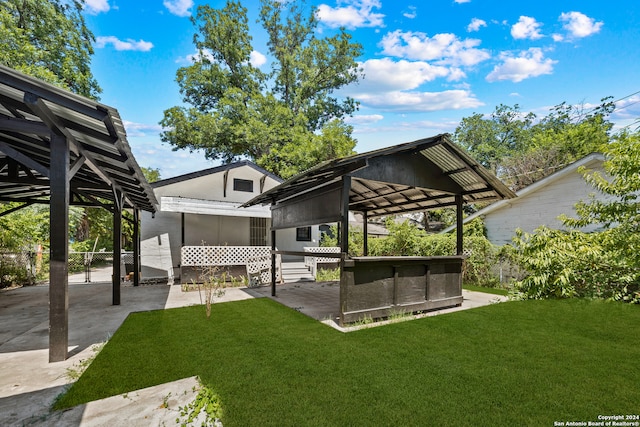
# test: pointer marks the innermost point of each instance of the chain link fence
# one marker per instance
(86, 267)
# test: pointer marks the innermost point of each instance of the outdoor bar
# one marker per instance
(426, 174)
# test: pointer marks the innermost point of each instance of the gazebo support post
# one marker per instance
(459, 238)
(273, 262)
(59, 251)
(117, 246)
(344, 236)
(365, 232)
(136, 247)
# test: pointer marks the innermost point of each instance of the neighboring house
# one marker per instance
(541, 203)
(202, 208)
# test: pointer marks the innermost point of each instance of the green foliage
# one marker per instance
(48, 39)
(24, 228)
(327, 274)
(599, 264)
(522, 150)
(206, 400)
(405, 239)
(285, 120)
(151, 174)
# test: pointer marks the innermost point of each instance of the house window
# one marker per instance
(243, 185)
(258, 231)
(303, 234)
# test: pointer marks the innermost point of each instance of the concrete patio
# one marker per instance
(29, 384)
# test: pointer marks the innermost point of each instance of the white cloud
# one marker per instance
(529, 63)
(445, 48)
(579, 25)
(476, 24)
(141, 129)
(95, 7)
(257, 59)
(411, 14)
(364, 119)
(118, 44)
(526, 28)
(628, 108)
(415, 101)
(557, 37)
(462, 1)
(387, 74)
(179, 7)
(355, 14)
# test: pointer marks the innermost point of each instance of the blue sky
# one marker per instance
(427, 63)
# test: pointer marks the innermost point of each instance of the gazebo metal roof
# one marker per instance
(100, 157)
(420, 175)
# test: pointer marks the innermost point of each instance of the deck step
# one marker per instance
(296, 272)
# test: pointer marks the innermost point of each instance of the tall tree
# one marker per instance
(48, 39)
(523, 149)
(285, 120)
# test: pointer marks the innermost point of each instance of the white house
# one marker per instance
(202, 208)
(541, 203)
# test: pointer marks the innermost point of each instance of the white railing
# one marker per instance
(311, 262)
(257, 259)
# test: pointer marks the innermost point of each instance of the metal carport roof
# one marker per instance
(100, 157)
(63, 149)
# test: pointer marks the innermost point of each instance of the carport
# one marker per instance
(62, 149)
(426, 174)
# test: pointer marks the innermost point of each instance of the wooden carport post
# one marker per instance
(136, 247)
(59, 250)
(117, 245)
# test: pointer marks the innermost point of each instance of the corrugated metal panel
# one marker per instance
(383, 198)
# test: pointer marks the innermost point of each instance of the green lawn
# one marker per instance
(524, 363)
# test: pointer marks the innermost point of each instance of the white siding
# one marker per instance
(538, 208)
(162, 236)
(211, 187)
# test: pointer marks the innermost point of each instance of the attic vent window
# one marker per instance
(243, 185)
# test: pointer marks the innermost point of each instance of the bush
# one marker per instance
(565, 264)
(405, 239)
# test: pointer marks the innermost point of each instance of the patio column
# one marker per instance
(459, 239)
(117, 246)
(136, 247)
(273, 263)
(344, 229)
(59, 250)
(365, 231)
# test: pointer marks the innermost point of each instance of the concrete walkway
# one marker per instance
(29, 384)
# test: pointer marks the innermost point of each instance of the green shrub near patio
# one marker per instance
(514, 363)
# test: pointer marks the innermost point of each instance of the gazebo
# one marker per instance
(62, 149)
(426, 174)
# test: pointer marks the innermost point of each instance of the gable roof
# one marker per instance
(214, 170)
(32, 113)
(536, 186)
(423, 174)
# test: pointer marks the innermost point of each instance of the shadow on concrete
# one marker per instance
(24, 314)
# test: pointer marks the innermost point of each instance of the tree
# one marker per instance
(522, 149)
(599, 264)
(48, 39)
(151, 174)
(285, 120)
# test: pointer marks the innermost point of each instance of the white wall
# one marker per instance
(541, 207)
(162, 235)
